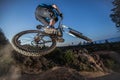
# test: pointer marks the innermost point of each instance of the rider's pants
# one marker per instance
(44, 15)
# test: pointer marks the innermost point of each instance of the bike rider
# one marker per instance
(48, 15)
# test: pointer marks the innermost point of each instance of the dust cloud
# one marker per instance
(8, 70)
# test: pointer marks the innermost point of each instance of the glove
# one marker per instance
(61, 15)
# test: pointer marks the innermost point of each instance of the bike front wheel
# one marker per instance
(33, 43)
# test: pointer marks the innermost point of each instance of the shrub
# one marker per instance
(110, 63)
(56, 56)
(68, 57)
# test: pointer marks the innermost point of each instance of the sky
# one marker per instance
(90, 17)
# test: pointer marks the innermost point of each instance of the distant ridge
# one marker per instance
(115, 39)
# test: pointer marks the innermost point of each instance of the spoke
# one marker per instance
(25, 40)
(45, 42)
(30, 37)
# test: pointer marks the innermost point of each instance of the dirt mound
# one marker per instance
(81, 61)
(70, 65)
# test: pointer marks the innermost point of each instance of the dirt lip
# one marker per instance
(108, 76)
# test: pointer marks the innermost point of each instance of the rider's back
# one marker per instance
(46, 6)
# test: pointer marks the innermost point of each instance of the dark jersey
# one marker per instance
(50, 8)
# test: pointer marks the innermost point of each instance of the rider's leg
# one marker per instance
(45, 16)
(42, 20)
(53, 20)
(51, 23)
(41, 14)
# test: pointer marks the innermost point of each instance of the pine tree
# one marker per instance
(3, 39)
(115, 15)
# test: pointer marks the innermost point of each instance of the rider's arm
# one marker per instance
(58, 10)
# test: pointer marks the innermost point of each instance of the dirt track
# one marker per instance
(101, 75)
(111, 76)
(61, 73)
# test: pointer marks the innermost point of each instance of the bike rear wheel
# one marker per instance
(24, 43)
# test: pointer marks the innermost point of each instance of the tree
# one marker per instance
(3, 39)
(106, 41)
(115, 15)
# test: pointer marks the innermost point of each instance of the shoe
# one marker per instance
(50, 30)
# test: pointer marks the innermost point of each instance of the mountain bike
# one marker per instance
(42, 41)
